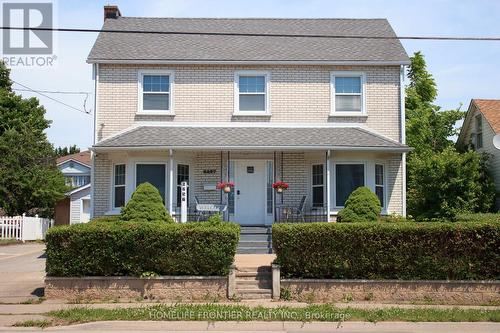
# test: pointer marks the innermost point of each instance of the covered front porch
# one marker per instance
(319, 178)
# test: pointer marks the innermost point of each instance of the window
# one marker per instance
(155, 92)
(119, 186)
(153, 174)
(348, 177)
(252, 94)
(348, 96)
(479, 131)
(318, 185)
(182, 176)
(380, 183)
(77, 181)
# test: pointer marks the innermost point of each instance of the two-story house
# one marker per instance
(481, 125)
(251, 101)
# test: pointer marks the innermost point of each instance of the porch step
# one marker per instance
(254, 282)
(255, 239)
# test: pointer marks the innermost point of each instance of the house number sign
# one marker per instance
(209, 171)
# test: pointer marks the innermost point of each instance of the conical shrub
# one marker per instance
(146, 204)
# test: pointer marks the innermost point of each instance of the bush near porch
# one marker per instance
(407, 251)
(133, 248)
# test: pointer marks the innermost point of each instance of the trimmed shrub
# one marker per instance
(408, 251)
(479, 217)
(108, 218)
(133, 248)
(361, 206)
(146, 204)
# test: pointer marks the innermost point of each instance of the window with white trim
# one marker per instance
(347, 94)
(479, 132)
(252, 93)
(155, 92)
(348, 177)
(318, 185)
(380, 183)
(119, 186)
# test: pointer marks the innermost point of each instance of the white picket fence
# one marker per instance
(24, 228)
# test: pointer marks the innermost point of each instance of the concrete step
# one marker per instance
(255, 269)
(255, 237)
(254, 243)
(253, 284)
(254, 293)
(255, 230)
(254, 250)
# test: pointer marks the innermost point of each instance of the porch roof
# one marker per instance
(249, 137)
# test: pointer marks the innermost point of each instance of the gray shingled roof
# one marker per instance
(151, 47)
(250, 137)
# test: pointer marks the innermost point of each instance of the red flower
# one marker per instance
(221, 185)
(280, 184)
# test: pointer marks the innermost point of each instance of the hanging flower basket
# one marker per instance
(280, 186)
(225, 186)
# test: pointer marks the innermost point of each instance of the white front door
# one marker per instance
(250, 192)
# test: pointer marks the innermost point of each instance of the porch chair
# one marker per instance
(298, 212)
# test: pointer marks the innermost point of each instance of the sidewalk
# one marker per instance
(257, 326)
(54, 305)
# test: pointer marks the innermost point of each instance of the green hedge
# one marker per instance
(133, 248)
(408, 251)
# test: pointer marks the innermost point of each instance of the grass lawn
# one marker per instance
(220, 312)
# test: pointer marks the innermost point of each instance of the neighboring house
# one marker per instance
(481, 124)
(325, 115)
(75, 208)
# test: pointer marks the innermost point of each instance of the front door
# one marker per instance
(250, 192)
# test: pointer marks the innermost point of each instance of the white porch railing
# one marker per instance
(24, 228)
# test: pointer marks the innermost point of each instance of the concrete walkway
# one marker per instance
(22, 271)
(253, 260)
(255, 326)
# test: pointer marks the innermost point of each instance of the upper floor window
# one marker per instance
(348, 94)
(251, 90)
(155, 96)
(479, 132)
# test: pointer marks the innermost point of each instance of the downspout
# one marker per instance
(403, 133)
(95, 70)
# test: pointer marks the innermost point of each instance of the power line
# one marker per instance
(157, 32)
(51, 98)
(56, 92)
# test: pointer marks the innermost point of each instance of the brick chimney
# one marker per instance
(111, 12)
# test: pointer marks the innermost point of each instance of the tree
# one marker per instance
(146, 204)
(441, 181)
(29, 179)
(63, 151)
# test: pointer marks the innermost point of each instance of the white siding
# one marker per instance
(76, 205)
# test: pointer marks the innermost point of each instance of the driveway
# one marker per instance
(22, 271)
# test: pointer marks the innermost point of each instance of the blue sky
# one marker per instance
(463, 70)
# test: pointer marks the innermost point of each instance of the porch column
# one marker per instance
(171, 181)
(328, 153)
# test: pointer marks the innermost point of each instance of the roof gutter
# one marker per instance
(248, 62)
(316, 147)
